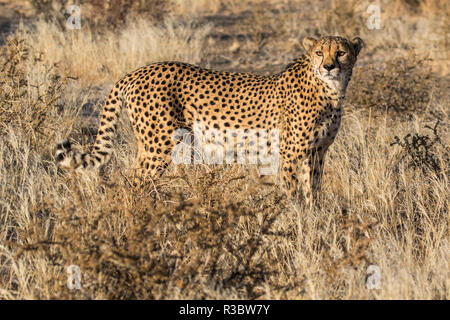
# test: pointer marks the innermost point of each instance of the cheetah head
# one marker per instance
(332, 58)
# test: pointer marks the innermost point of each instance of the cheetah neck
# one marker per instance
(338, 87)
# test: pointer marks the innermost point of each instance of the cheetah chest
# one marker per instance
(326, 130)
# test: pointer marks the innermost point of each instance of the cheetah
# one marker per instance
(303, 103)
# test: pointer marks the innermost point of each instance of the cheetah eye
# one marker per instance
(319, 53)
(341, 53)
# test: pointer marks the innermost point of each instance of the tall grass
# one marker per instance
(104, 58)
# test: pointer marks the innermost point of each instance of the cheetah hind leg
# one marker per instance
(144, 180)
(149, 168)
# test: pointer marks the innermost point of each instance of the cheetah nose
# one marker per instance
(329, 67)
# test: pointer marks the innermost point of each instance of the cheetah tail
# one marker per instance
(68, 158)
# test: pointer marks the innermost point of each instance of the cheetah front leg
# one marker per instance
(311, 174)
(317, 172)
(289, 178)
(298, 176)
(305, 168)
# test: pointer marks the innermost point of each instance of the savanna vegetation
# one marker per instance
(223, 232)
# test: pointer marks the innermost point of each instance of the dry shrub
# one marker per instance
(263, 27)
(30, 118)
(101, 14)
(345, 18)
(114, 13)
(380, 174)
(50, 10)
(402, 85)
(196, 7)
(129, 247)
(29, 99)
(420, 151)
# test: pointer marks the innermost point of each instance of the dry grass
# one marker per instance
(220, 232)
(103, 58)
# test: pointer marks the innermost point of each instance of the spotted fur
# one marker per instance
(303, 102)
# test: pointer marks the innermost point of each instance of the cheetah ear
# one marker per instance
(357, 44)
(309, 43)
